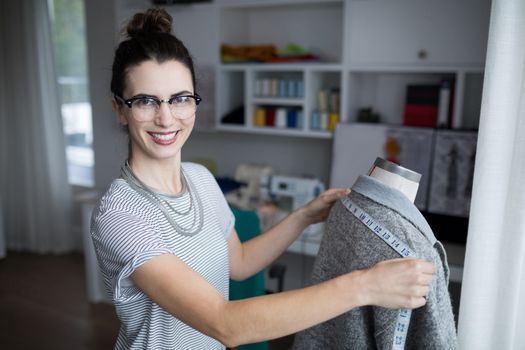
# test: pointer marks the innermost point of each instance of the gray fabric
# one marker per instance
(348, 245)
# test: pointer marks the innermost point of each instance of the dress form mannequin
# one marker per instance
(387, 196)
(396, 176)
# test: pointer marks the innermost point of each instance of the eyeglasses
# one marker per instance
(145, 108)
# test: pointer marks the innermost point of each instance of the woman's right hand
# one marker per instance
(398, 283)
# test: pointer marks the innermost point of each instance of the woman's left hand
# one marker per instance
(317, 210)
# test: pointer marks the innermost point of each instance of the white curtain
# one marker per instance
(34, 190)
(492, 306)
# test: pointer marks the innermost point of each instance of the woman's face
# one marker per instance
(162, 137)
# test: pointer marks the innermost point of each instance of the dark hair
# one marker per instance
(149, 38)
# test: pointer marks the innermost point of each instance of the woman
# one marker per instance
(164, 234)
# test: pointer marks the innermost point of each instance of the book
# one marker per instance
(421, 106)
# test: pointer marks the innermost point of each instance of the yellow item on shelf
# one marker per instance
(260, 117)
(333, 119)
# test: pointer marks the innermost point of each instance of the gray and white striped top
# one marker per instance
(128, 230)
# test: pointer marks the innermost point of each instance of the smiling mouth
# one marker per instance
(163, 138)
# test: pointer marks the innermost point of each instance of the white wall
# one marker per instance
(287, 155)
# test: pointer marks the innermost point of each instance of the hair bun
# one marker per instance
(152, 21)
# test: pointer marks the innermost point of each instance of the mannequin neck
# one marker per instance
(407, 187)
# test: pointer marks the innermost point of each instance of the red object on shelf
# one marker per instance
(270, 116)
(420, 115)
(421, 105)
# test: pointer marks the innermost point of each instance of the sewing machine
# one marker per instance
(300, 191)
(255, 186)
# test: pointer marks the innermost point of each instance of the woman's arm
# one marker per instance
(400, 283)
(252, 256)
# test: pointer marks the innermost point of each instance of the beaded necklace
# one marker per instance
(153, 197)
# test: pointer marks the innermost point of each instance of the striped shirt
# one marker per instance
(128, 230)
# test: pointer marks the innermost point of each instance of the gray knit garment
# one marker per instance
(348, 245)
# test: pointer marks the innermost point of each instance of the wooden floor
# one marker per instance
(43, 305)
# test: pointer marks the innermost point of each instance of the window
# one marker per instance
(69, 40)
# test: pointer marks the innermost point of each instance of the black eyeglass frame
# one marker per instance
(129, 101)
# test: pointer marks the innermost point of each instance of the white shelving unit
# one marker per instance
(369, 50)
(316, 26)
(384, 90)
(237, 89)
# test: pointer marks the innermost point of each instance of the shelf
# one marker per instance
(279, 23)
(277, 67)
(370, 68)
(278, 101)
(275, 131)
(385, 91)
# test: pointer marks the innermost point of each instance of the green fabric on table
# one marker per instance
(248, 226)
